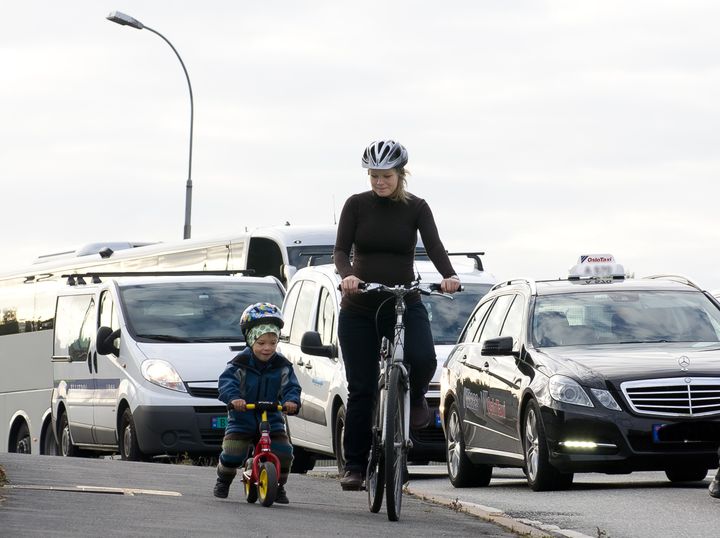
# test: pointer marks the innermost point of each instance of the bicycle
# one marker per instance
(391, 442)
(262, 468)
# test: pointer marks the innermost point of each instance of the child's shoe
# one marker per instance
(222, 488)
(281, 497)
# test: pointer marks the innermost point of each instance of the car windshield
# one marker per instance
(193, 312)
(619, 317)
(447, 317)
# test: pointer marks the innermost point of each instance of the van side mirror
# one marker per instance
(311, 344)
(105, 341)
(499, 346)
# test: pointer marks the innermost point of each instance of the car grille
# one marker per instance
(203, 392)
(674, 397)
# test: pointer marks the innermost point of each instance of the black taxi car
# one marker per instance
(594, 373)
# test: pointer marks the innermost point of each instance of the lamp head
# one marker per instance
(125, 20)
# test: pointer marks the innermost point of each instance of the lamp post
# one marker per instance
(127, 20)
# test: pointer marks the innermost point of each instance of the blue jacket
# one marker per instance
(242, 379)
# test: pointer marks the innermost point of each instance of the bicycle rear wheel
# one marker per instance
(375, 476)
(395, 444)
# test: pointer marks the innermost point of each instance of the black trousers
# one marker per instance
(360, 344)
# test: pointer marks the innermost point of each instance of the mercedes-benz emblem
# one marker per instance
(684, 363)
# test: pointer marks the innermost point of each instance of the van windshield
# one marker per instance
(192, 312)
(447, 318)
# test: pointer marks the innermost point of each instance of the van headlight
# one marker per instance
(163, 374)
(566, 390)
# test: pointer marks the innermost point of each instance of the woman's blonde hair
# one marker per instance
(401, 194)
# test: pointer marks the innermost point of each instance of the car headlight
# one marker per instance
(162, 373)
(606, 399)
(566, 390)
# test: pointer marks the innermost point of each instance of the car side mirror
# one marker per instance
(105, 341)
(499, 346)
(311, 343)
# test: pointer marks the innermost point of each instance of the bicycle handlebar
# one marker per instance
(259, 406)
(403, 289)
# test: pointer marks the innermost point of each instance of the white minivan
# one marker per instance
(309, 340)
(136, 361)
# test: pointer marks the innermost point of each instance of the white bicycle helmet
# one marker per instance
(384, 155)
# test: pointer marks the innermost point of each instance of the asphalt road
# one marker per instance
(43, 498)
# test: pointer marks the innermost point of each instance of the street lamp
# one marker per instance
(127, 20)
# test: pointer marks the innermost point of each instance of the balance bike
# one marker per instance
(262, 469)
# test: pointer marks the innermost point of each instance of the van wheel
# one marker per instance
(23, 443)
(129, 447)
(339, 437)
(67, 448)
(49, 445)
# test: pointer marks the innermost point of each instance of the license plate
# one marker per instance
(219, 423)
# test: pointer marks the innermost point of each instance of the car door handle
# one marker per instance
(300, 362)
(308, 364)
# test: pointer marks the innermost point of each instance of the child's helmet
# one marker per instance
(384, 155)
(260, 314)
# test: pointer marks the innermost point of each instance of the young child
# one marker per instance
(258, 373)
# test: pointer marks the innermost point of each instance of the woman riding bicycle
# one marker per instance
(380, 227)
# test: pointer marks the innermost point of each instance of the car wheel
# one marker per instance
(129, 447)
(67, 448)
(339, 438)
(303, 461)
(461, 471)
(49, 445)
(686, 474)
(23, 443)
(541, 475)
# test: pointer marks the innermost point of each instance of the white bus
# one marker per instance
(28, 296)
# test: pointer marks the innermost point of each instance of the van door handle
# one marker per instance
(89, 361)
(95, 361)
(300, 362)
(308, 364)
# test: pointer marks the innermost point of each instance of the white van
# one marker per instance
(309, 340)
(136, 361)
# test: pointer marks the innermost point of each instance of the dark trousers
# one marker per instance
(360, 344)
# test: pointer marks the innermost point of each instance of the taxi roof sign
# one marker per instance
(596, 267)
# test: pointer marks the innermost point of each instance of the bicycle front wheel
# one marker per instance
(375, 476)
(395, 444)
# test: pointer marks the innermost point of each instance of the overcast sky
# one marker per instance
(537, 131)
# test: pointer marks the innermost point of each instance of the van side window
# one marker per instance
(74, 327)
(265, 257)
(288, 309)
(108, 314)
(303, 312)
(326, 317)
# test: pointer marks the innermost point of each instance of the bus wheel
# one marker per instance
(67, 448)
(129, 447)
(23, 443)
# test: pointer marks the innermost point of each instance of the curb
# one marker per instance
(486, 513)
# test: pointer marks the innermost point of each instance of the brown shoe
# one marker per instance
(351, 481)
(419, 415)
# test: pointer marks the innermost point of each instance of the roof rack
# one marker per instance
(530, 282)
(676, 278)
(97, 275)
(475, 256)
